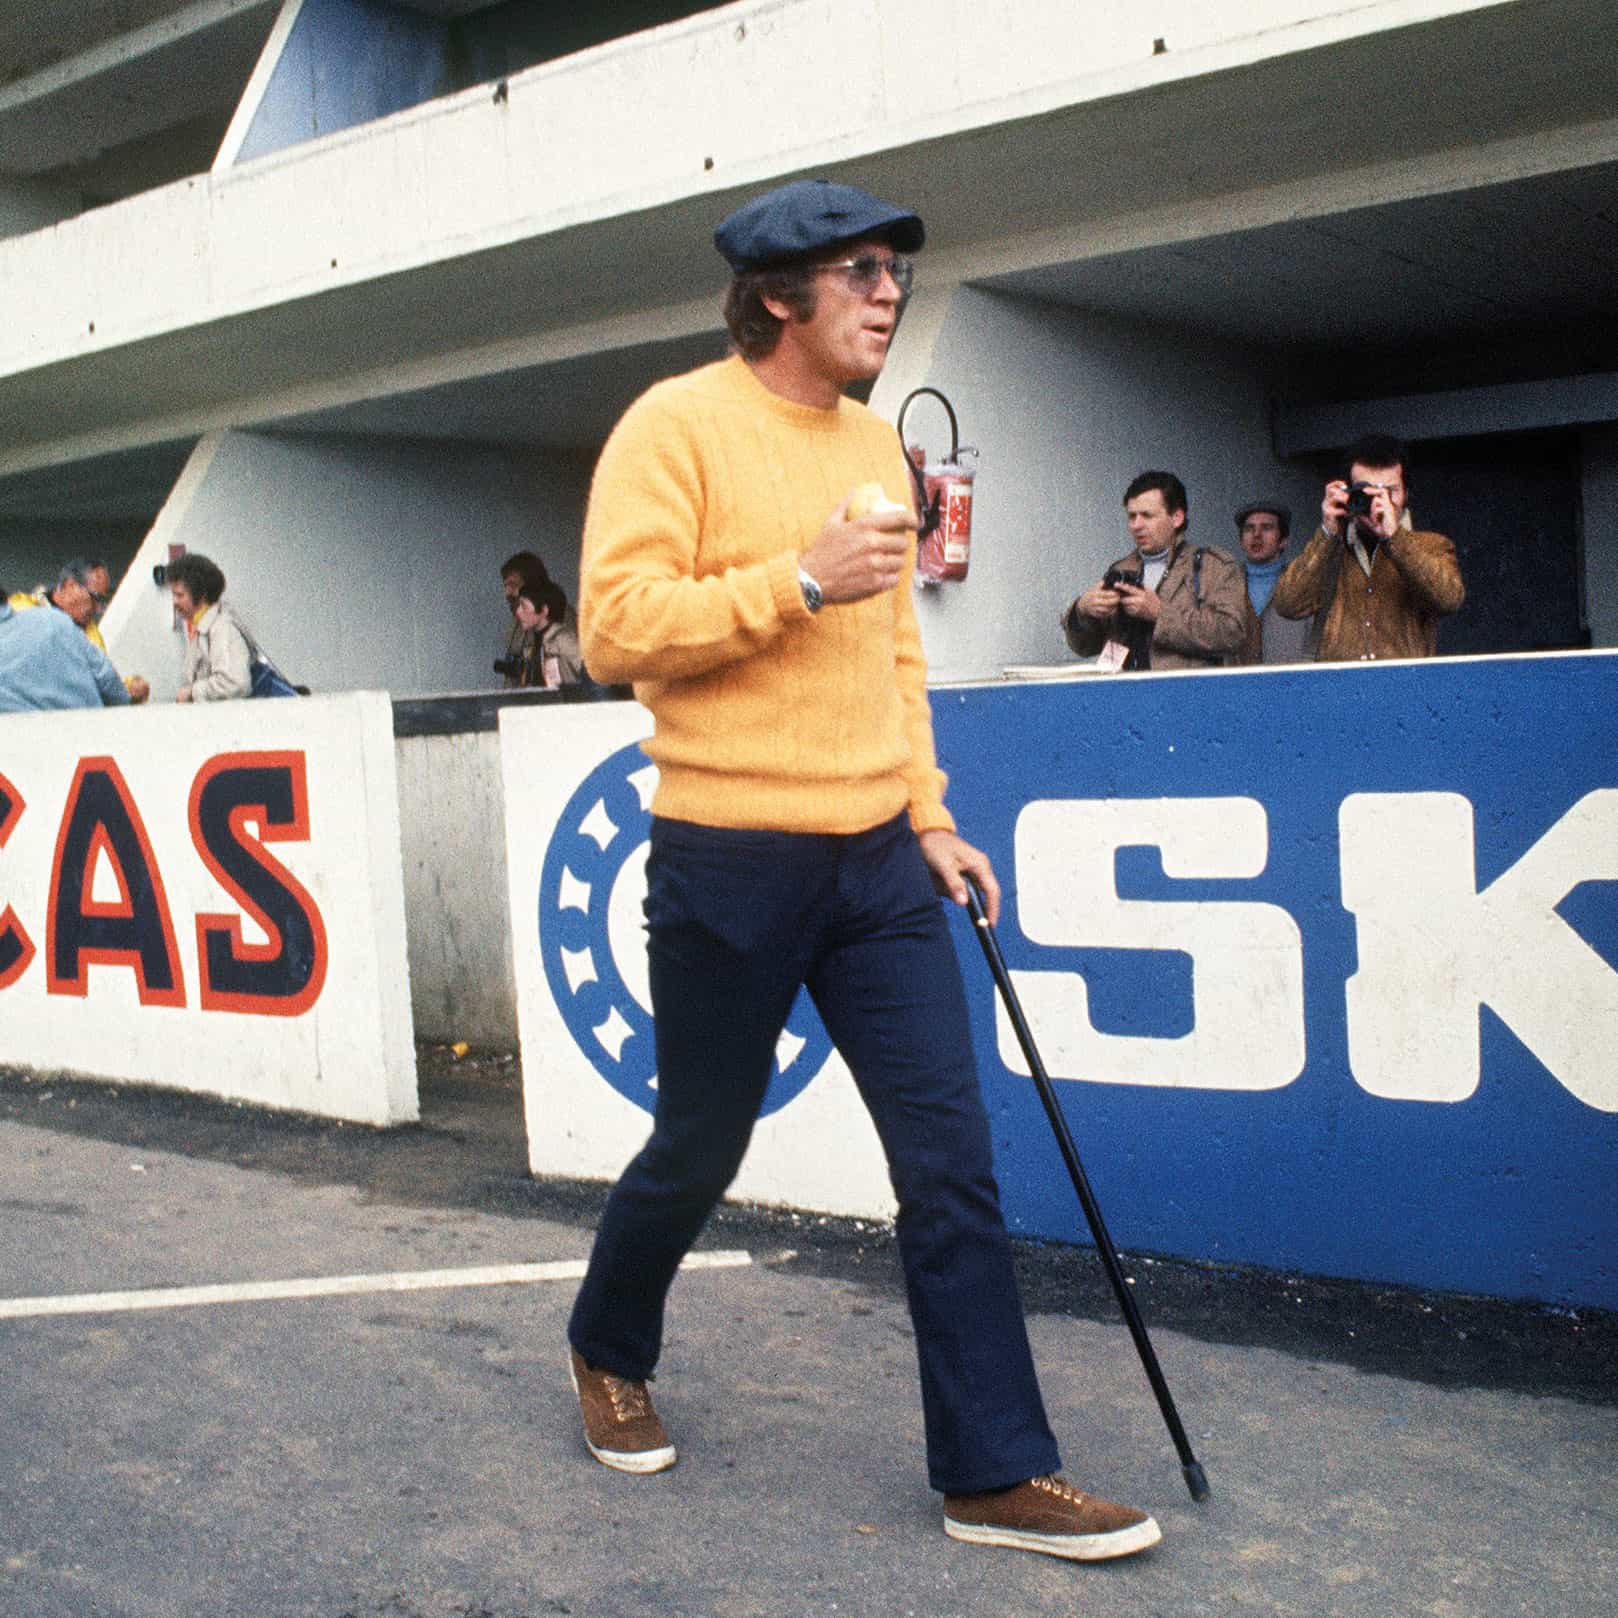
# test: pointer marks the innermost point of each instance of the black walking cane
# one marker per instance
(1196, 1479)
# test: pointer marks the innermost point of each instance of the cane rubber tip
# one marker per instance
(1196, 1480)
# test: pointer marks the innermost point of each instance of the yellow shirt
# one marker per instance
(768, 716)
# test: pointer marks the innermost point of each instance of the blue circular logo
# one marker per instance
(591, 939)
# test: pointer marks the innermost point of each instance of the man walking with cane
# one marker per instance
(798, 837)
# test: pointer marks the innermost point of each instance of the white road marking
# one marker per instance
(327, 1286)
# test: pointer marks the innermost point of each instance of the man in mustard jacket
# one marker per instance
(1375, 584)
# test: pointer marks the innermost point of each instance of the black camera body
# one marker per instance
(1360, 499)
(1135, 633)
(509, 668)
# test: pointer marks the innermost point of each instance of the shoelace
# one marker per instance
(1055, 1483)
(629, 1401)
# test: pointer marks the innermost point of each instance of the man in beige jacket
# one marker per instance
(1168, 604)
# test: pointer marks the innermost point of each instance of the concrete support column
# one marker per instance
(1600, 501)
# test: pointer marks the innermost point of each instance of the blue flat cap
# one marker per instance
(806, 216)
(1282, 513)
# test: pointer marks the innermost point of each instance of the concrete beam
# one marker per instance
(127, 85)
(36, 33)
(1567, 401)
(589, 190)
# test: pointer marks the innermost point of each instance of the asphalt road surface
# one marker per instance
(319, 1434)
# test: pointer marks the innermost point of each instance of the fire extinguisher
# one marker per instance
(944, 496)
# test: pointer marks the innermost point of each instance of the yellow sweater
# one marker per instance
(768, 716)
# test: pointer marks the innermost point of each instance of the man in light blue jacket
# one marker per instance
(46, 662)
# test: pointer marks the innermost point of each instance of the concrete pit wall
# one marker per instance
(209, 899)
(1323, 962)
(452, 830)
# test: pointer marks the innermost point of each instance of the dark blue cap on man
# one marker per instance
(807, 215)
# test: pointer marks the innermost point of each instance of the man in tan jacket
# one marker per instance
(1167, 605)
(1375, 583)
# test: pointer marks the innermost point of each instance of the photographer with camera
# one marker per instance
(1376, 584)
(554, 661)
(518, 643)
(1167, 605)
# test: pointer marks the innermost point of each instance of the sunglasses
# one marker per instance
(864, 273)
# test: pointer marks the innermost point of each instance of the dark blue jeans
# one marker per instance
(737, 920)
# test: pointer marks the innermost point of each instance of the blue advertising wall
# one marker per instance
(1395, 894)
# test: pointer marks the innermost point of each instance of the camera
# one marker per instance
(1120, 575)
(508, 668)
(1360, 497)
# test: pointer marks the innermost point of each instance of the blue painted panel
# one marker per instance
(1511, 1189)
(347, 62)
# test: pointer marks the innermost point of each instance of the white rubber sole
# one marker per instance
(639, 1461)
(1073, 1547)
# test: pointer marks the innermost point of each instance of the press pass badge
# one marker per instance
(1113, 656)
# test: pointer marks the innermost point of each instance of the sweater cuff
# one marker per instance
(784, 586)
(930, 817)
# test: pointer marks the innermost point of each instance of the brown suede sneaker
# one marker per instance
(1048, 1514)
(620, 1427)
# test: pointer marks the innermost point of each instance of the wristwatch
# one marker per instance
(812, 598)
